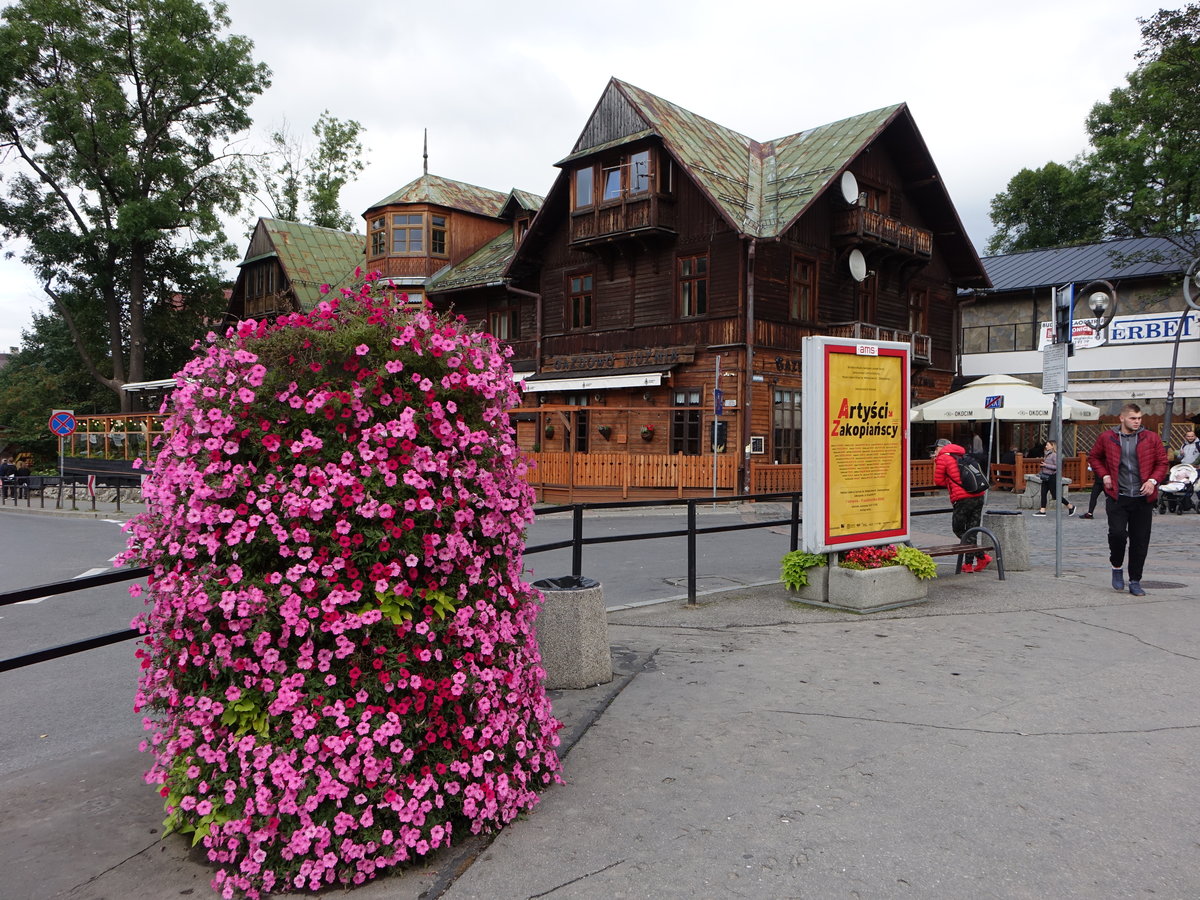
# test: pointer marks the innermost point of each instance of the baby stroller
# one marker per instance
(1176, 494)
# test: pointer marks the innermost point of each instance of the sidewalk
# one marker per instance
(1033, 737)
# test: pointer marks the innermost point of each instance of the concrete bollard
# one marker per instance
(572, 633)
(1010, 530)
(1033, 492)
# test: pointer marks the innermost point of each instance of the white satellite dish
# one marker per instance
(858, 265)
(849, 188)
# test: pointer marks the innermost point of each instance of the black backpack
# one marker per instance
(970, 476)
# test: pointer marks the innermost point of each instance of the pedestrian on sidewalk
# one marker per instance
(968, 507)
(1131, 462)
(1097, 490)
(1049, 475)
(1189, 453)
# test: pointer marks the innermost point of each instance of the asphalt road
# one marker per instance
(53, 710)
(654, 569)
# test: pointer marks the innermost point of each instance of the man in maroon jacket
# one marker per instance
(1131, 461)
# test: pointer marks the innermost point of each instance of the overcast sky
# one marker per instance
(505, 88)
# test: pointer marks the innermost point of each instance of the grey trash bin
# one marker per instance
(572, 633)
(1010, 529)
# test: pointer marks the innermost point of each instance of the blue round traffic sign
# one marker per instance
(62, 424)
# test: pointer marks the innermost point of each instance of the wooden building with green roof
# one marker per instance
(286, 264)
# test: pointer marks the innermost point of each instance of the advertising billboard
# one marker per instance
(856, 443)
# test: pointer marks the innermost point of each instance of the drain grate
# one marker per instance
(1160, 585)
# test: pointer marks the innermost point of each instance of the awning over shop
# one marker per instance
(606, 379)
(1131, 390)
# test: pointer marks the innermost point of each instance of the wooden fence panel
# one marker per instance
(770, 479)
(623, 471)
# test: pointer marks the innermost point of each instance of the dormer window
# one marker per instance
(379, 236)
(405, 234)
(621, 177)
(584, 188)
(627, 176)
(408, 233)
(639, 172)
(612, 184)
(437, 235)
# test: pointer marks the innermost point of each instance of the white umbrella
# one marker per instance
(1019, 401)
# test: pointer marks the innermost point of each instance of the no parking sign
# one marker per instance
(62, 422)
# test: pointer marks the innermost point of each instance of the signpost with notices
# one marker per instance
(62, 424)
(1054, 381)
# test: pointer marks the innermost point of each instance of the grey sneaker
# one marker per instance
(1119, 580)
(1135, 588)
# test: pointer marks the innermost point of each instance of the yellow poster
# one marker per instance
(866, 476)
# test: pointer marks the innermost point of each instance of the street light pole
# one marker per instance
(1191, 276)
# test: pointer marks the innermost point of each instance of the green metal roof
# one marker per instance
(313, 256)
(526, 200)
(761, 187)
(483, 267)
(448, 193)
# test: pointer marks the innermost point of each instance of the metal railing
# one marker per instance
(576, 542)
(66, 489)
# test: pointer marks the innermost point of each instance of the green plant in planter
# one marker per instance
(887, 555)
(795, 565)
(920, 564)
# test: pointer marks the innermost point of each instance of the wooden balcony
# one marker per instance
(647, 216)
(873, 229)
(922, 344)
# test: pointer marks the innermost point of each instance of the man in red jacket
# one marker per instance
(1131, 462)
(968, 508)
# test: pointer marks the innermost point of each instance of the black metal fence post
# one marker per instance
(577, 540)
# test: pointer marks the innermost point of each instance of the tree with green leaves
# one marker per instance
(290, 172)
(42, 375)
(1054, 206)
(1146, 136)
(117, 115)
(1141, 176)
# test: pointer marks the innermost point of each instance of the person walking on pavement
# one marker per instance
(1189, 453)
(968, 507)
(1131, 462)
(1097, 490)
(1050, 479)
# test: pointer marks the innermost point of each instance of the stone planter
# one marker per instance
(862, 590)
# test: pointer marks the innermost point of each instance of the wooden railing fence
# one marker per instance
(556, 475)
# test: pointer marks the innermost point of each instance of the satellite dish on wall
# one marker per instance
(858, 265)
(849, 188)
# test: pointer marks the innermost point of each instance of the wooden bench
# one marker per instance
(961, 550)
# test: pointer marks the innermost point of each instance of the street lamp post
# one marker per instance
(1190, 279)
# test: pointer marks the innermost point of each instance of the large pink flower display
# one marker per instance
(340, 671)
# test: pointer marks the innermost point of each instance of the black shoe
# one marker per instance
(1086, 516)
